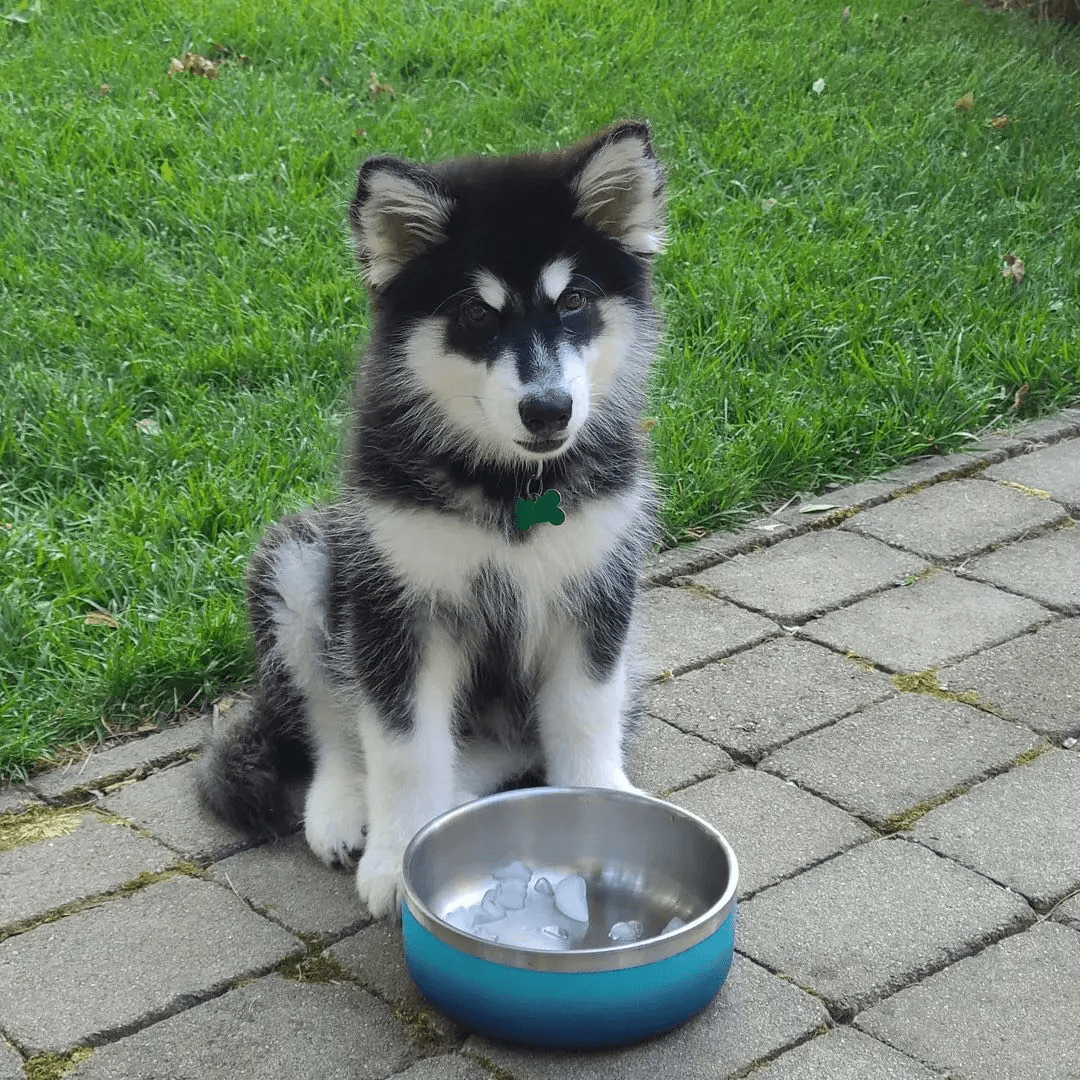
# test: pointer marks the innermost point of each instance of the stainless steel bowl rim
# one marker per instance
(611, 958)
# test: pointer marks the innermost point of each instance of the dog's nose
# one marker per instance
(547, 413)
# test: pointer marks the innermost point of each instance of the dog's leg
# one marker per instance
(288, 586)
(582, 718)
(335, 807)
(410, 773)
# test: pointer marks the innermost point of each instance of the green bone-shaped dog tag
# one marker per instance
(529, 512)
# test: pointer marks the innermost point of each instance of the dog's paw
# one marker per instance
(335, 821)
(379, 881)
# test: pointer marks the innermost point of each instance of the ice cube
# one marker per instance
(511, 893)
(626, 931)
(490, 909)
(515, 871)
(543, 887)
(559, 933)
(570, 898)
(673, 924)
(461, 918)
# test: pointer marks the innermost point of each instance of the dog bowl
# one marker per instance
(643, 861)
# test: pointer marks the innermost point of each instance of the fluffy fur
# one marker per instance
(415, 649)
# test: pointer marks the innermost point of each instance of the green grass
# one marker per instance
(173, 250)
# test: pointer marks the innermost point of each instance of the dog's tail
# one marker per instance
(245, 771)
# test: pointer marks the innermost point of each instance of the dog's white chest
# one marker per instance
(441, 555)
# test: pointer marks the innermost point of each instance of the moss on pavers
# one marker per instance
(926, 682)
(38, 824)
(55, 1066)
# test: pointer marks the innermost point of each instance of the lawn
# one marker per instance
(180, 314)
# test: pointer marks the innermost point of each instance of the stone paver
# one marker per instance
(10, 1063)
(1008, 1013)
(754, 1015)
(288, 883)
(948, 522)
(165, 804)
(873, 920)
(661, 758)
(375, 959)
(95, 857)
(1031, 679)
(270, 1028)
(685, 628)
(844, 1054)
(1047, 569)
(755, 811)
(447, 1067)
(1021, 829)
(15, 799)
(934, 622)
(129, 962)
(1068, 912)
(799, 578)
(891, 757)
(1055, 469)
(94, 772)
(757, 700)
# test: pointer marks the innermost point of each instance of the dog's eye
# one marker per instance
(571, 301)
(477, 315)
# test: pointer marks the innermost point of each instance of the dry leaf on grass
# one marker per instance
(966, 101)
(378, 88)
(998, 122)
(196, 64)
(1018, 397)
(101, 618)
(1013, 268)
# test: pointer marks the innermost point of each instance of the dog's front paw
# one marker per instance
(335, 820)
(379, 881)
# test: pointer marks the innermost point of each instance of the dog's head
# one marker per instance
(516, 290)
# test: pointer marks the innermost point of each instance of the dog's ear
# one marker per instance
(399, 210)
(619, 186)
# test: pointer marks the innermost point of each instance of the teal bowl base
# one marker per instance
(567, 1009)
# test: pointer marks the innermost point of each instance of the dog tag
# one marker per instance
(545, 507)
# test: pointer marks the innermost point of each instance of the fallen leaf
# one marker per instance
(846, 14)
(819, 508)
(378, 88)
(326, 82)
(196, 64)
(998, 122)
(104, 88)
(1013, 268)
(818, 86)
(101, 618)
(1018, 397)
(648, 423)
(966, 101)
